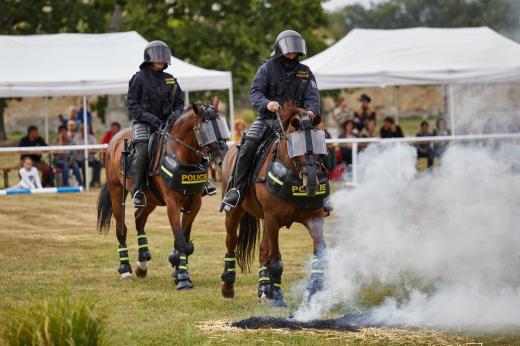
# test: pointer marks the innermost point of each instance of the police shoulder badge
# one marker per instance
(303, 74)
(170, 80)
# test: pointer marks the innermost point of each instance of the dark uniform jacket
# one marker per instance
(278, 81)
(154, 95)
(26, 142)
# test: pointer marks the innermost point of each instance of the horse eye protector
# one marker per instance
(213, 129)
(308, 141)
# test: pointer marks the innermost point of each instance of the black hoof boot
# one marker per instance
(144, 255)
(228, 276)
(277, 299)
(316, 281)
(125, 270)
(264, 284)
(181, 276)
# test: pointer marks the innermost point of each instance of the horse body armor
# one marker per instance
(288, 186)
(185, 179)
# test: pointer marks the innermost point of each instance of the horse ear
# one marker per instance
(316, 120)
(215, 102)
(295, 122)
(196, 108)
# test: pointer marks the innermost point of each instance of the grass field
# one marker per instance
(49, 247)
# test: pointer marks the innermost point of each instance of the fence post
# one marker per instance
(85, 134)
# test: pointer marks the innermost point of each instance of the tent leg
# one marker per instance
(85, 137)
(354, 163)
(451, 110)
(186, 99)
(397, 100)
(231, 108)
(46, 120)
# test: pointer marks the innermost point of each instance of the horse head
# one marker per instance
(305, 143)
(211, 130)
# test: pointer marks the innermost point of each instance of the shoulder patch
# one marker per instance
(170, 80)
(303, 74)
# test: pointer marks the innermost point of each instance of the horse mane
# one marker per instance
(287, 111)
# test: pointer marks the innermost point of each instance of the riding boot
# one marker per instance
(139, 166)
(235, 194)
(209, 189)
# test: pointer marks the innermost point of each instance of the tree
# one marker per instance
(24, 17)
(226, 34)
(395, 14)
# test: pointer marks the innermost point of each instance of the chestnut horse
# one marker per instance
(183, 144)
(260, 203)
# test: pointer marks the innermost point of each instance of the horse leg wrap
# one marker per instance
(174, 258)
(229, 274)
(190, 248)
(181, 275)
(317, 273)
(264, 283)
(144, 251)
(275, 269)
(124, 262)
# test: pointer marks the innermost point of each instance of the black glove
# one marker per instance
(155, 122)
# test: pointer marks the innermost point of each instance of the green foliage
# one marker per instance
(395, 14)
(225, 34)
(63, 321)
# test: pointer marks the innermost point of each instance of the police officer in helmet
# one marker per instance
(153, 97)
(279, 79)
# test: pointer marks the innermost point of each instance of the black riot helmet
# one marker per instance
(157, 51)
(289, 41)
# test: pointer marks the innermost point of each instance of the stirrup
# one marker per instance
(209, 189)
(141, 205)
(228, 206)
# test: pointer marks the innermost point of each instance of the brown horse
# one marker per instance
(260, 203)
(182, 142)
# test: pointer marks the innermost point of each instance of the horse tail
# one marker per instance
(247, 238)
(104, 210)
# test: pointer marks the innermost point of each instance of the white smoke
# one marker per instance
(450, 239)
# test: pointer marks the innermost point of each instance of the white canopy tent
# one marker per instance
(89, 64)
(417, 56)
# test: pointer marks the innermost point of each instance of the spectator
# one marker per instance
(71, 116)
(33, 139)
(390, 129)
(341, 112)
(93, 162)
(370, 129)
(79, 117)
(365, 112)
(440, 130)
(64, 161)
(349, 131)
(115, 127)
(72, 129)
(424, 149)
(240, 126)
(30, 179)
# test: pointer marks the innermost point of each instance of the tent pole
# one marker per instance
(186, 99)
(451, 110)
(397, 100)
(354, 163)
(231, 108)
(85, 137)
(46, 120)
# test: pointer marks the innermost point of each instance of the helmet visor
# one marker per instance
(159, 54)
(292, 44)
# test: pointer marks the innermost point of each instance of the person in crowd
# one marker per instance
(240, 127)
(115, 127)
(349, 131)
(72, 129)
(370, 129)
(72, 115)
(93, 162)
(64, 161)
(79, 119)
(33, 139)
(29, 177)
(440, 130)
(365, 112)
(424, 149)
(342, 112)
(390, 129)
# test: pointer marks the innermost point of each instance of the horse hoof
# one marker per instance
(228, 293)
(184, 285)
(264, 299)
(141, 270)
(126, 276)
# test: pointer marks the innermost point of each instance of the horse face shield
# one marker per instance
(213, 132)
(307, 142)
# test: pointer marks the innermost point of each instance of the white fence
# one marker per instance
(354, 141)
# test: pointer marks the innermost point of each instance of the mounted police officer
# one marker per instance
(153, 97)
(279, 79)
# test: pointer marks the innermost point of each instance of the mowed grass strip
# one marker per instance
(49, 245)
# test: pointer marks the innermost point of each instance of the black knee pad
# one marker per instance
(275, 268)
(190, 248)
